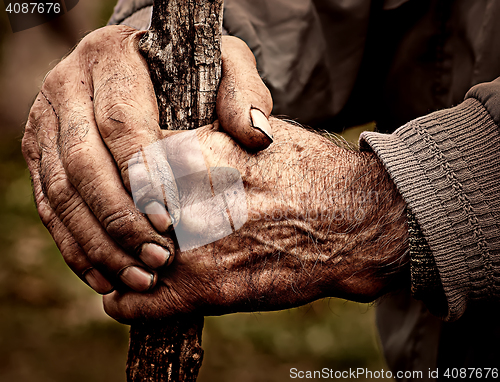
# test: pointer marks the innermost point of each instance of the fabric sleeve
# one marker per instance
(447, 167)
(308, 52)
(424, 276)
(139, 20)
(134, 13)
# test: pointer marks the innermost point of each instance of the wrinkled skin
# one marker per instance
(322, 220)
(95, 110)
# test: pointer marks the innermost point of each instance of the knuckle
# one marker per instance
(41, 130)
(37, 110)
(30, 145)
(115, 307)
(29, 148)
(121, 225)
(99, 254)
(47, 216)
(55, 79)
(51, 79)
(72, 254)
(60, 195)
(130, 229)
(139, 183)
(115, 118)
(124, 132)
(236, 43)
(74, 157)
(94, 40)
(105, 38)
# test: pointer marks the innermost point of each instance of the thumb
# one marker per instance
(244, 103)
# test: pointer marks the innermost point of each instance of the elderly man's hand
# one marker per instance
(308, 220)
(95, 110)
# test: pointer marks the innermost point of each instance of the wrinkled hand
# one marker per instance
(308, 220)
(95, 110)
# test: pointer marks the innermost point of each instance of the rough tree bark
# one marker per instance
(165, 351)
(182, 48)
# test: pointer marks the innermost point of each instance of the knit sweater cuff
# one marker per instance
(425, 282)
(445, 166)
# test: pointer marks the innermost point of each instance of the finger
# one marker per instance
(126, 113)
(91, 169)
(70, 250)
(243, 103)
(152, 184)
(129, 307)
(177, 292)
(161, 302)
(72, 253)
(73, 213)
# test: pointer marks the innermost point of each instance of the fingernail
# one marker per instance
(154, 256)
(137, 278)
(97, 281)
(158, 216)
(260, 122)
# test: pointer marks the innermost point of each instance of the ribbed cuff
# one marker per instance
(445, 166)
(425, 281)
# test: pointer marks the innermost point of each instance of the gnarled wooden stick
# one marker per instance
(182, 48)
(165, 351)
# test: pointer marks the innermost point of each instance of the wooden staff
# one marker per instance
(182, 48)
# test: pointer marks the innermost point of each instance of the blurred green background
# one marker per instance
(52, 326)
